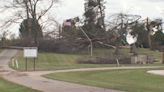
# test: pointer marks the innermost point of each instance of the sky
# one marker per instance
(145, 8)
(66, 9)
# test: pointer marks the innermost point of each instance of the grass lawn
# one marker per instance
(6, 86)
(125, 80)
(54, 61)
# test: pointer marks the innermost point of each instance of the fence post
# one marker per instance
(163, 57)
(17, 64)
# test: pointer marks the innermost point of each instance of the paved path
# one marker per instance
(35, 81)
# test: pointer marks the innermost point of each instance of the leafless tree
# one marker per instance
(26, 9)
(52, 29)
(118, 25)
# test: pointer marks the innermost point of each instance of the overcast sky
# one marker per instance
(72, 8)
(145, 8)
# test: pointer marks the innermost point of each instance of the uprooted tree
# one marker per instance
(149, 33)
(92, 29)
(118, 27)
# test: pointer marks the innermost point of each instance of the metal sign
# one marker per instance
(30, 52)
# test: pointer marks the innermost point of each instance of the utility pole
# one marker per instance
(90, 40)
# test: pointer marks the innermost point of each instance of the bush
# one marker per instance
(59, 46)
(104, 60)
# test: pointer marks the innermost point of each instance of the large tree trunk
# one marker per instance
(133, 49)
(28, 22)
(149, 34)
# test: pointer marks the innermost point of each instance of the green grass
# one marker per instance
(55, 61)
(156, 54)
(125, 80)
(6, 86)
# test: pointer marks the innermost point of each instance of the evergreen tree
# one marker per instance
(34, 34)
(94, 17)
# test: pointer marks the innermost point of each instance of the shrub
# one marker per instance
(104, 60)
(59, 46)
